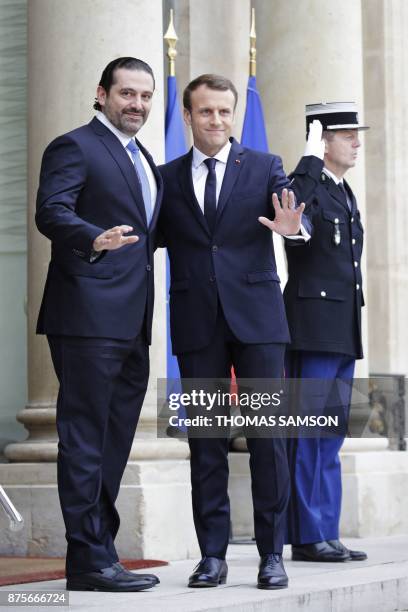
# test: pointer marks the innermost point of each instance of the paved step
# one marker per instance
(378, 584)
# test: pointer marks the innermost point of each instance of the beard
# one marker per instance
(129, 120)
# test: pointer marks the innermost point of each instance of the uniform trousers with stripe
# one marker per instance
(315, 503)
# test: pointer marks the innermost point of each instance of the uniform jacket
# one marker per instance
(323, 295)
(236, 265)
(88, 184)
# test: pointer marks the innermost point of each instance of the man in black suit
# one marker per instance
(323, 299)
(98, 202)
(226, 308)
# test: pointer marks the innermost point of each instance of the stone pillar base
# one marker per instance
(374, 493)
(154, 505)
(374, 499)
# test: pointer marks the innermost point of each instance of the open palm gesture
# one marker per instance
(288, 217)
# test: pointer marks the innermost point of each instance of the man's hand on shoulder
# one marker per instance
(288, 218)
(114, 238)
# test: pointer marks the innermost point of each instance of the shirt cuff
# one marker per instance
(304, 235)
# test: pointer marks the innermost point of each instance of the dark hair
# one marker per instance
(212, 81)
(108, 75)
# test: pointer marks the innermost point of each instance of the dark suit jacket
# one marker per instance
(237, 264)
(88, 184)
(323, 296)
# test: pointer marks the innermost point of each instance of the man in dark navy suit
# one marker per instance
(323, 299)
(226, 308)
(98, 202)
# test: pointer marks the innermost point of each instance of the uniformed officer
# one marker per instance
(323, 299)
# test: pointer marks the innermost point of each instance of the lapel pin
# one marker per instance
(323, 176)
(237, 161)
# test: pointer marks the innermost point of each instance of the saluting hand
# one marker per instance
(288, 218)
(315, 144)
(114, 238)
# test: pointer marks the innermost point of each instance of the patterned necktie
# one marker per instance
(142, 177)
(344, 194)
(210, 194)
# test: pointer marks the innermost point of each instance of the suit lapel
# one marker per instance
(234, 162)
(120, 156)
(186, 182)
(235, 159)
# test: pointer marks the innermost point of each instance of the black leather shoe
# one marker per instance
(113, 579)
(319, 551)
(148, 576)
(210, 572)
(272, 574)
(355, 555)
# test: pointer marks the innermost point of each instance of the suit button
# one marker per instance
(215, 248)
(352, 219)
(357, 286)
(353, 241)
(336, 220)
(212, 279)
(356, 264)
(323, 293)
(148, 267)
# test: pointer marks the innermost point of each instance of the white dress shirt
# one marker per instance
(200, 171)
(330, 174)
(124, 140)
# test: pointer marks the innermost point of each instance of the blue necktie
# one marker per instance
(143, 180)
(210, 194)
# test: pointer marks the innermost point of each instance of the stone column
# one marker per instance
(309, 52)
(53, 110)
(69, 45)
(226, 24)
(385, 24)
(13, 196)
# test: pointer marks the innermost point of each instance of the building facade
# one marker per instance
(51, 57)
